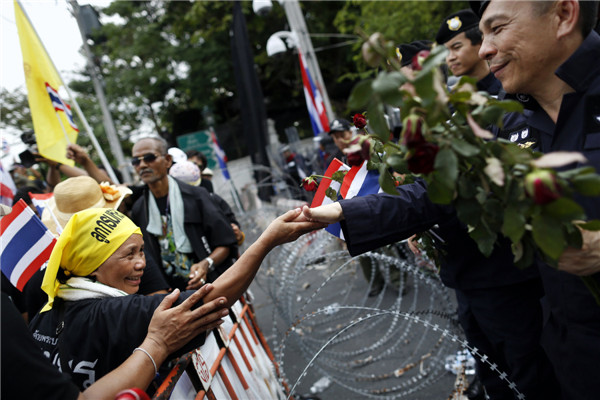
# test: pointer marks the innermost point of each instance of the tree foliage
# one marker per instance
(163, 62)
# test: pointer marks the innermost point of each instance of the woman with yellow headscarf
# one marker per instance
(93, 319)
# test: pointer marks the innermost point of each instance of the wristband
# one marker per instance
(211, 263)
(149, 356)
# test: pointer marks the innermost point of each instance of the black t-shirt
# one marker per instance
(100, 334)
(26, 373)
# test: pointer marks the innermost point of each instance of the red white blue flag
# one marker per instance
(321, 197)
(7, 187)
(40, 200)
(314, 101)
(26, 244)
(60, 105)
(220, 154)
(359, 181)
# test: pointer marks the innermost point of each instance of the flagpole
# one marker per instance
(88, 129)
(62, 127)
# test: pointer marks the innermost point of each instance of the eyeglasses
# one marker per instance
(148, 158)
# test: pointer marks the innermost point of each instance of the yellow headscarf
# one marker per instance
(89, 238)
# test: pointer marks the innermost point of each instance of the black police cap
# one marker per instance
(407, 51)
(454, 24)
(479, 7)
(339, 125)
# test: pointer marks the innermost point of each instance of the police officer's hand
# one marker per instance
(584, 261)
(198, 274)
(329, 213)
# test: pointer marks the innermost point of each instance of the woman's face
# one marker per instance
(124, 268)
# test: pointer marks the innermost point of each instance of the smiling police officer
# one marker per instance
(546, 52)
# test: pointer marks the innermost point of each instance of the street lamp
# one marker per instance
(297, 38)
(276, 43)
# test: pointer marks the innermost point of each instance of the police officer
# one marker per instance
(547, 55)
(498, 304)
(459, 33)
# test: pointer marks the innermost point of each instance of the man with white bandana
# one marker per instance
(181, 224)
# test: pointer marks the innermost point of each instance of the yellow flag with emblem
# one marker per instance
(52, 117)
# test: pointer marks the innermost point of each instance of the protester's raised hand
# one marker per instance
(288, 227)
(78, 154)
(328, 214)
(173, 327)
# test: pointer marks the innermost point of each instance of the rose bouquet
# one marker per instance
(497, 187)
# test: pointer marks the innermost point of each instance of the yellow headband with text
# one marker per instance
(89, 238)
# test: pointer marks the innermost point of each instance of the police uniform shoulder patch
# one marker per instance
(454, 24)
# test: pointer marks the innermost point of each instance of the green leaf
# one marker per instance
(377, 121)
(446, 167)
(509, 105)
(513, 226)
(592, 225)
(468, 211)
(484, 238)
(574, 238)
(387, 182)
(332, 194)
(524, 252)
(466, 187)
(459, 97)
(387, 85)
(398, 163)
(587, 185)
(436, 57)
(571, 173)
(548, 235)
(564, 209)
(438, 191)
(338, 176)
(464, 148)
(491, 115)
(361, 94)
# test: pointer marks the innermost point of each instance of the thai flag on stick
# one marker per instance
(26, 244)
(321, 197)
(7, 187)
(40, 200)
(314, 101)
(360, 182)
(220, 154)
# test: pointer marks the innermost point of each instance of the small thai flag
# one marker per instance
(26, 244)
(321, 197)
(314, 101)
(60, 105)
(221, 157)
(7, 187)
(40, 201)
(360, 182)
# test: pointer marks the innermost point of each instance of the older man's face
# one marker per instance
(518, 44)
(154, 170)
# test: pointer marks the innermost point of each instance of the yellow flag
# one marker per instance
(52, 118)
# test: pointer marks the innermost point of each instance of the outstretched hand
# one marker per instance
(173, 327)
(328, 214)
(289, 227)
